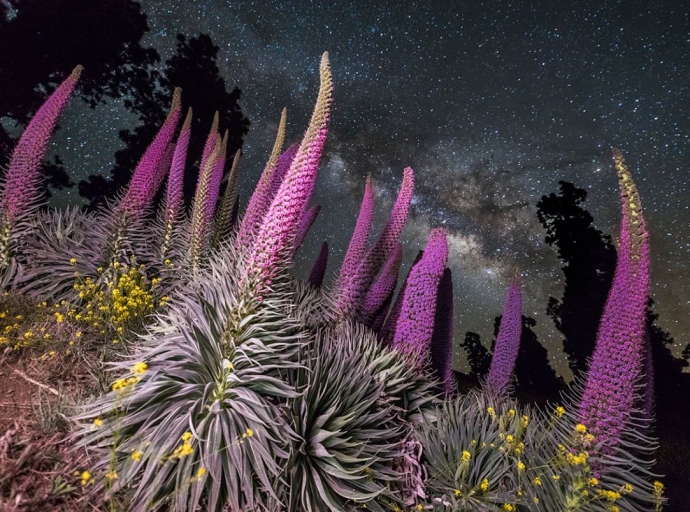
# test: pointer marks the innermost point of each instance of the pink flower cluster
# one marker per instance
(352, 290)
(507, 342)
(383, 288)
(278, 230)
(415, 325)
(149, 172)
(174, 192)
(20, 187)
(617, 363)
(318, 270)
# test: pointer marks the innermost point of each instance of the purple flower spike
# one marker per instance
(441, 350)
(210, 141)
(382, 288)
(228, 205)
(20, 188)
(353, 290)
(174, 193)
(387, 332)
(146, 177)
(319, 269)
(278, 230)
(617, 363)
(266, 189)
(507, 342)
(305, 225)
(416, 322)
(216, 178)
(360, 237)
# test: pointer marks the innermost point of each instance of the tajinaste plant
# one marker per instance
(507, 342)
(318, 270)
(383, 288)
(149, 173)
(228, 205)
(360, 238)
(305, 224)
(174, 201)
(19, 196)
(276, 236)
(351, 293)
(416, 323)
(615, 370)
(265, 190)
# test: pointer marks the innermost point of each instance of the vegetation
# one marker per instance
(238, 388)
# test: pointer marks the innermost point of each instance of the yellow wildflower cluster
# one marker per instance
(125, 383)
(484, 486)
(559, 412)
(577, 459)
(185, 448)
(118, 301)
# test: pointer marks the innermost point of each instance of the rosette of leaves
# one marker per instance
(471, 453)
(348, 438)
(215, 367)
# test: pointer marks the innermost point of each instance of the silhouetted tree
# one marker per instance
(589, 259)
(193, 68)
(43, 41)
(478, 357)
(536, 380)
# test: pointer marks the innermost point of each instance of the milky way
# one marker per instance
(491, 103)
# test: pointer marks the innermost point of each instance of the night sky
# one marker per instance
(491, 103)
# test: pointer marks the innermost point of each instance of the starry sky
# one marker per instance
(490, 102)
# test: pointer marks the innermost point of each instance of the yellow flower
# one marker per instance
(484, 486)
(556, 477)
(508, 507)
(136, 456)
(186, 436)
(97, 423)
(466, 456)
(511, 413)
(509, 438)
(658, 488)
(85, 478)
(560, 411)
(593, 481)
(73, 261)
(111, 475)
(491, 412)
(521, 466)
(537, 480)
(627, 489)
(139, 368)
(524, 421)
(457, 493)
(580, 428)
(611, 496)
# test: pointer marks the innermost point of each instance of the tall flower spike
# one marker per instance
(353, 290)
(20, 188)
(507, 342)
(210, 141)
(360, 237)
(216, 178)
(174, 192)
(305, 224)
(228, 203)
(262, 196)
(319, 269)
(278, 230)
(441, 350)
(199, 222)
(387, 331)
(616, 366)
(382, 288)
(146, 177)
(416, 323)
